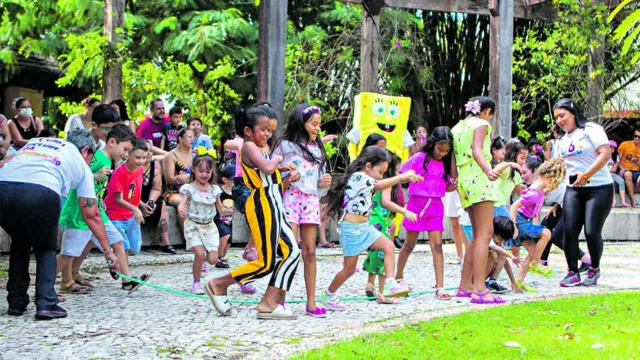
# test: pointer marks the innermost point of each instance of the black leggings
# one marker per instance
(586, 207)
(555, 225)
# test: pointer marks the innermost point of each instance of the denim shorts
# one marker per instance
(527, 230)
(131, 234)
(74, 240)
(357, 237)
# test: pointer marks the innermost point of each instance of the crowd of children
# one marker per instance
(458, 173)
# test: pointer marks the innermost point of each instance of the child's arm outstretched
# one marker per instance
(512, 279)
(252, 155)
(395, 208)
(502, 252)
(402, 178)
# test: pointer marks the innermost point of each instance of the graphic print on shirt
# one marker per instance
(575, 148)
(132, 188)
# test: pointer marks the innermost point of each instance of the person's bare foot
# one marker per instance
(263, 307)
(217, 288)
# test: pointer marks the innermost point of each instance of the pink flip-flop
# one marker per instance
(481, 300)
(461, 293)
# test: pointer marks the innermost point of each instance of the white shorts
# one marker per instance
(452, 204)
(205, 235)
(74, 241)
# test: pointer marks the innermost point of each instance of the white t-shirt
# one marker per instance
(557, 195)
(74, 122)
(310, 173)
(354, 137)
(578, 150)
(52, 163)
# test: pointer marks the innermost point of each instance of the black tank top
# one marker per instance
(27, 134)
(147, 181)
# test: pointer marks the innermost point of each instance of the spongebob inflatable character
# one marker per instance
(384, 115)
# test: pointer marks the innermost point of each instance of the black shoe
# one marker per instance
(16, 312)
(398, 242)
(222, 264)
(584, 267)
(55, 312)
(496, 288)
(169, 250)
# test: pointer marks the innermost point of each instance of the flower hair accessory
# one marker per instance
(472, 107)
(311, 109)
(203, 151)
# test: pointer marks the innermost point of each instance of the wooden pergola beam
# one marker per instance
(539, 11)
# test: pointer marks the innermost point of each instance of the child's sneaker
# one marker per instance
(593, 274)
(205, 268)
(572, 279)
(247, 289)
(196, 288)
(393, 289)
(496, 288)
(332, 303)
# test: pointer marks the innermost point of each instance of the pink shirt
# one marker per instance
(532, 201)
(150, 130)
(434, 184)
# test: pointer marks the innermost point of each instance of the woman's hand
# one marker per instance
(492, 175)
(411, 216)
(146, 209)
(581, 180)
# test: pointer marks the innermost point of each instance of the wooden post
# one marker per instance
(594, 101)
(271, 55)
(500, 67)
(369, 52)
(112, 73)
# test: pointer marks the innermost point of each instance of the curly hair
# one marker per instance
(555, 170)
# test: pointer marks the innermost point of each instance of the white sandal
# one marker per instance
(279, 313)
(219, 302)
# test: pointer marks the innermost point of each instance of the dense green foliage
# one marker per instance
(203, 55)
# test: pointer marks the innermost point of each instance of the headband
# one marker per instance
(203, 151)
(310, 109)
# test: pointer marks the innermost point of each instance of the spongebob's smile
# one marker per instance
(386, 127)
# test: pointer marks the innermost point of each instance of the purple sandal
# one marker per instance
(481, 300)
(461, 293)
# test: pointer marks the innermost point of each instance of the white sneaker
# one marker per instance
(393, 289)
(197, 288)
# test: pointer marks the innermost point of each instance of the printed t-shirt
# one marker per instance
(578, 149)
(310, 172)
(71, 216)
(202, 203)
(434, 183)
(170, 133)
(227, 201)
(150, 130)
(629, 156)
(130, 185)
(358, 193)
(52, 163)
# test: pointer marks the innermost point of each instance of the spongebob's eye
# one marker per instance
(379, 109)
(394, 110)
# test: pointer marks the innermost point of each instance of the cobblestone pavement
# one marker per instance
(150, 323)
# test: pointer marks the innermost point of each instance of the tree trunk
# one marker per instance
(595, 86)
(271, 55)
(369, 52)
(112, 74)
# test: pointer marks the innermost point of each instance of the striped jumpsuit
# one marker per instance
(270, 229)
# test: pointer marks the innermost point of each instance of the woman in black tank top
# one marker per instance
(24, 126)
(151, 192)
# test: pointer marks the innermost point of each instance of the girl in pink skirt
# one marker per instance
(433, 162)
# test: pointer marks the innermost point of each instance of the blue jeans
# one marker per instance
(131, 234)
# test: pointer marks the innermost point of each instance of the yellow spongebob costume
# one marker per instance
(384, 115)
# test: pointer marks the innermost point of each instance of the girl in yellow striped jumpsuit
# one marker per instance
(265, 215)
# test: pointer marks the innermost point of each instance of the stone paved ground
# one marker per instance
(152, 323)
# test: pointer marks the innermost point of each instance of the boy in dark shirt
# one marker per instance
(171, 129)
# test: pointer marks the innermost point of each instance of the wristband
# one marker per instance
(586, 177)
(108, 251)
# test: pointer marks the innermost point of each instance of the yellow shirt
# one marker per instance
(629, 156)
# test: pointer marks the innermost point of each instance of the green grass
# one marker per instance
(590, 327)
